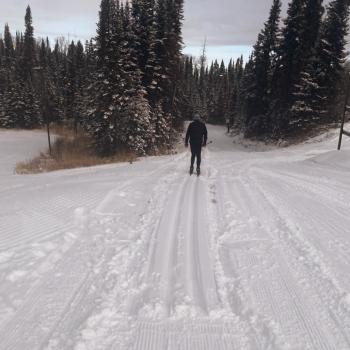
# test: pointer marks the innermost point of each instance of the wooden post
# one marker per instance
(48, 133)
(344, 114)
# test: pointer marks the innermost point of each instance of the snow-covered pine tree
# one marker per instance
(9, 51)
(52, 93)
(174, 45)
(28, 59)
(2, 49)
(74, 76)
(331, 56)
(81, 73)
(221, 95)
(257, 95)
(145, 31)
(160, 93)
(2, 79)
(231, 93)
(136, 130)
(101, 123)
(6, 73)
(70, 86)
(289, 67)
(305, 109)
(202, 77)
(30, 115)
(241, 73)
(214, 89)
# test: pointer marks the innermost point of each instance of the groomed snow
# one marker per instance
(254, 254)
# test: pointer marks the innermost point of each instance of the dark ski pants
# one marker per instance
(196, 151)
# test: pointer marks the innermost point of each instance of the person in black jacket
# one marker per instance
(197, 136)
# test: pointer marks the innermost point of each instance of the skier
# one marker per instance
(228, 125)
(197, 135)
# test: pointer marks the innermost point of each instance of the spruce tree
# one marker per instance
(136, 131)
(174, 46)
(331, 56)
(28, 60)
(289, 67)
(145, 32)
(8, 46)
(258, 89)
(305, 108)
(102, 114)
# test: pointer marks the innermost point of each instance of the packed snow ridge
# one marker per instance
(254, 254)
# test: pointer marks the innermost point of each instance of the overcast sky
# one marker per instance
(231, 26)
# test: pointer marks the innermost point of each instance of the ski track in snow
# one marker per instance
(254, 254)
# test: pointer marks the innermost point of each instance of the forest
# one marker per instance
(131, 87)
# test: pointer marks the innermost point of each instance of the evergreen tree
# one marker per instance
(174, 46)
(289, 67)
(258, 89)
(136, 131)
(305, 108)
(8, 47)
(241, 76)
(331, 56)
(145, 32)
(124, 88)
(102, 113)
(28, 60)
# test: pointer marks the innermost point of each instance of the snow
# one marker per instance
(18, 146)
(254, 254)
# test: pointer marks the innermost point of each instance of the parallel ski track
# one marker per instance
(71, 277)
(227, 244)
(186, 239)
(323, 280)
(103, 281)
(290, 247)
(330, 212)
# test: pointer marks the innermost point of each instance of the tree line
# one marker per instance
(120, 86)
(291, 83)
(131, 87)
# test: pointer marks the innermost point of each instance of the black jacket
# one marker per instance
(197, 133)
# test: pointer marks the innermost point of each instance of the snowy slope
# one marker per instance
(255, 254)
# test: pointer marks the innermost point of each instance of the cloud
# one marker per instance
(223, 22)
(53, 18)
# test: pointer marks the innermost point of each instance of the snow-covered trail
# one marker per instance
(254, 254)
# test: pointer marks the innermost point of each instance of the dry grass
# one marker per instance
(69, 152)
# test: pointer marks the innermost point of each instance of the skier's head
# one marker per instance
(196, 117)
